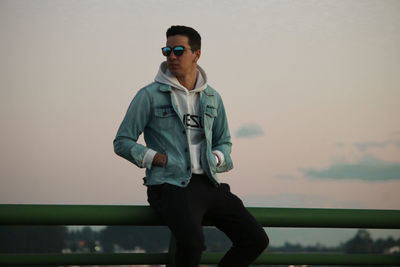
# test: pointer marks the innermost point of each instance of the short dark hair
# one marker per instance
(190, 33)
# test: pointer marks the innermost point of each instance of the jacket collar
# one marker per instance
(167, 88)
(208, 91)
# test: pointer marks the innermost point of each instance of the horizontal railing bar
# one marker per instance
(315, 259)
(19, 259)
(329, 259)
(15, 214)
(23, 214)
(207, 258)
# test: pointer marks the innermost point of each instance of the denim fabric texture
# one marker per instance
(154, 113)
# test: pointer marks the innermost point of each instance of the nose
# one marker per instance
(172, 56)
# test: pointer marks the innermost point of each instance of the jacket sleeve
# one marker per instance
(133, 124)
(222, 137)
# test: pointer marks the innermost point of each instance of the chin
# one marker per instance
(174, 71)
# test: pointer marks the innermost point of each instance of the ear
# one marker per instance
(197, 54)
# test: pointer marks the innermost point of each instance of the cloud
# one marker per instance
(249, 131)
(340, 144)
(363, 147)
(367, 169)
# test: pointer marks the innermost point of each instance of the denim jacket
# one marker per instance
(153, 112)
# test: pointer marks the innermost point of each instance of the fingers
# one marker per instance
(160, 160)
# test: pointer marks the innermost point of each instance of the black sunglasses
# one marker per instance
(178, 50)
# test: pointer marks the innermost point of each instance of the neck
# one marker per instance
(188, 80)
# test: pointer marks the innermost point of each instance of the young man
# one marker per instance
(187, 142)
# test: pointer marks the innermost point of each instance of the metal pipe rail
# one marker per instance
(144, 215)
(207, 258)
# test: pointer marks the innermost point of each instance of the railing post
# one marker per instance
(171, 252)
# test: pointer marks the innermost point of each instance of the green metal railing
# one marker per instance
(144, 215)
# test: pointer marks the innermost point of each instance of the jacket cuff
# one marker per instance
(148, 158)
(221, 157)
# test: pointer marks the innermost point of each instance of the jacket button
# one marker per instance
(188, 168)
(183, 183)
(186, 150)
(165, 113)
(184, 132)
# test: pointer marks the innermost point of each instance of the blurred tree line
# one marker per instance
(32, 239)
(150, 238)
(55, 239)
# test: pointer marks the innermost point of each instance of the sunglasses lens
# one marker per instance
(166, 51)
(178, 51)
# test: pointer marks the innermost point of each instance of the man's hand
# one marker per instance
(160, 160)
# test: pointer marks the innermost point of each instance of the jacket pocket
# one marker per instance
(167, 171)
(165, 117)
(211, 111)
(172, 165)
(210, 115)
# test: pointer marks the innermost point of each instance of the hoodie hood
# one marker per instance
(166, 77)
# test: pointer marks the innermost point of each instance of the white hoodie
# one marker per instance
(188, 104)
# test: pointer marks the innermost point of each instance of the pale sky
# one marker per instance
(311, 89)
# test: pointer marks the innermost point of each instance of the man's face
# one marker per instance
(184, 64)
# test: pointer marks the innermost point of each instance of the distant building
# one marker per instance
(393, 250)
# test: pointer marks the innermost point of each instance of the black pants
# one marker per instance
(183, 211)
